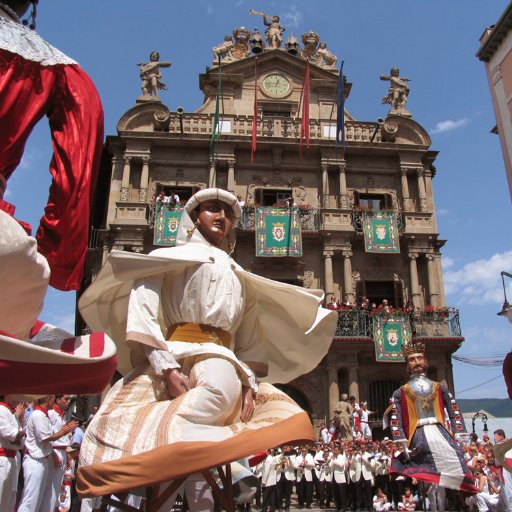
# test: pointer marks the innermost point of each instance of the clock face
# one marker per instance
(276, 85)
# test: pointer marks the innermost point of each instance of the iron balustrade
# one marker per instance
(358, 323)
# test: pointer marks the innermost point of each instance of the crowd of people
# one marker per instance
(39, 451)
(354, 475)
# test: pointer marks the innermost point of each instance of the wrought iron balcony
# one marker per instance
(309, 218)
(439, 322)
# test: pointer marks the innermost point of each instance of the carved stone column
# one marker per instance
(428, 190)
(347, 276)
(212, 177)
(329, 281)
(415, 286)
(334, 389)
(231, 176)
(344, 202)
(405, 190)
(353, 382)
(432, 280)
(441, 299)
(144, 180)
(421, 189)
(125, 182)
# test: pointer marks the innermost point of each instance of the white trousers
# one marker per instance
(56, 475)
(484, 501)
(436, 496)
(37, 490)
(198, 493)
(9, 471)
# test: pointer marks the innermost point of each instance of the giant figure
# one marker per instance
(195, 332)
(417, 420)
(38, 80)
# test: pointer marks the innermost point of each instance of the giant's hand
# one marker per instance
(177, 382)
(247, 404)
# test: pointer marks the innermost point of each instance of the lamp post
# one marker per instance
(484, 419)
(506, 310)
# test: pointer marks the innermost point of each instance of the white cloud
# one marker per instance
(479, 282)
(442, 211)
(448, 125)
(209, 9)
(293, 18)
(447, 262)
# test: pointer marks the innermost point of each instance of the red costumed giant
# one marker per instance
(38, 80)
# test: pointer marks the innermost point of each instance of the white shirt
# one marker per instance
(208, 294)
(9, 428)
(38, 429)
(58, 422)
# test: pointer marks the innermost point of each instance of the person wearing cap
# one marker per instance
(194, 332)
(417, 421)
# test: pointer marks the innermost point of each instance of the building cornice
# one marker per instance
(493, 37)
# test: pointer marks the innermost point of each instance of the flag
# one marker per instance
(216, 124)
(340, 115)
(255, 114)
(304, 126)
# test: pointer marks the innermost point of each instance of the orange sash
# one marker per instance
(198, 333)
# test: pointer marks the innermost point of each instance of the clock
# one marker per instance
(276, 85)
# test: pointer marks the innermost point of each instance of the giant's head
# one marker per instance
(214, 213)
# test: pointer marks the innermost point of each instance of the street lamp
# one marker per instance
(484, 419)
(506, 310)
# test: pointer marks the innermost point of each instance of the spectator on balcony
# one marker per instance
(384, 306)
(174, 198)
(346, 303)
(290, 202)
(241, 202)
(333, 304)
(365, 303)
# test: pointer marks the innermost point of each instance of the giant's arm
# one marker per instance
(458, 426)
(396, 418)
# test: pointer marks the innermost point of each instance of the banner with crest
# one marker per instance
(167, 222)
(380, 232)
(390, 333)
(278, 232)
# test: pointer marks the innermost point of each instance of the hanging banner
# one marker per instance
(390, 333)
(167, 222)
(278, 232)
(380, 232)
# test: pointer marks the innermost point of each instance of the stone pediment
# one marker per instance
(404, 130)
(145, 117)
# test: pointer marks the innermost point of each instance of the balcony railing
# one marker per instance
(309, 218)
(357, 221)
(272, 126)
(444, 322)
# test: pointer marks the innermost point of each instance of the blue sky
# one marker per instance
(434, 43)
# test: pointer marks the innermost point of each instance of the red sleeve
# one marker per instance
(76, 123)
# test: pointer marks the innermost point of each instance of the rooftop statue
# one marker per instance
(310, 40)
(274, 31)
(241, 48)
(397, 93)
(223, 50)
(150, 75)
(329, 59)
(292, 45)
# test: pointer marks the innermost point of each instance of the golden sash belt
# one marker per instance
(198, 333)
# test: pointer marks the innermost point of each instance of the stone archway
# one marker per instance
(297, 395)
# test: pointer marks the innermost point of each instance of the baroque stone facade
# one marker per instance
(386, 165)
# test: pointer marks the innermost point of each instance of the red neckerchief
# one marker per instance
(44, 411)
(8, 406)
(59, 411)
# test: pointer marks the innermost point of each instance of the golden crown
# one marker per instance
(413, 347)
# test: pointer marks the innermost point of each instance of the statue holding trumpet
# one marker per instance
(274, 31)
(398, 91)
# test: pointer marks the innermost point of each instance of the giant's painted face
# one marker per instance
(214, 220)
(416, 363)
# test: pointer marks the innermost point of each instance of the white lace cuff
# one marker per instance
(160, 360)
(249, 379)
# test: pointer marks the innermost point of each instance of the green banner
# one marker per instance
(167, 222)
(390, 333)
(380, 232)
(278, 232)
